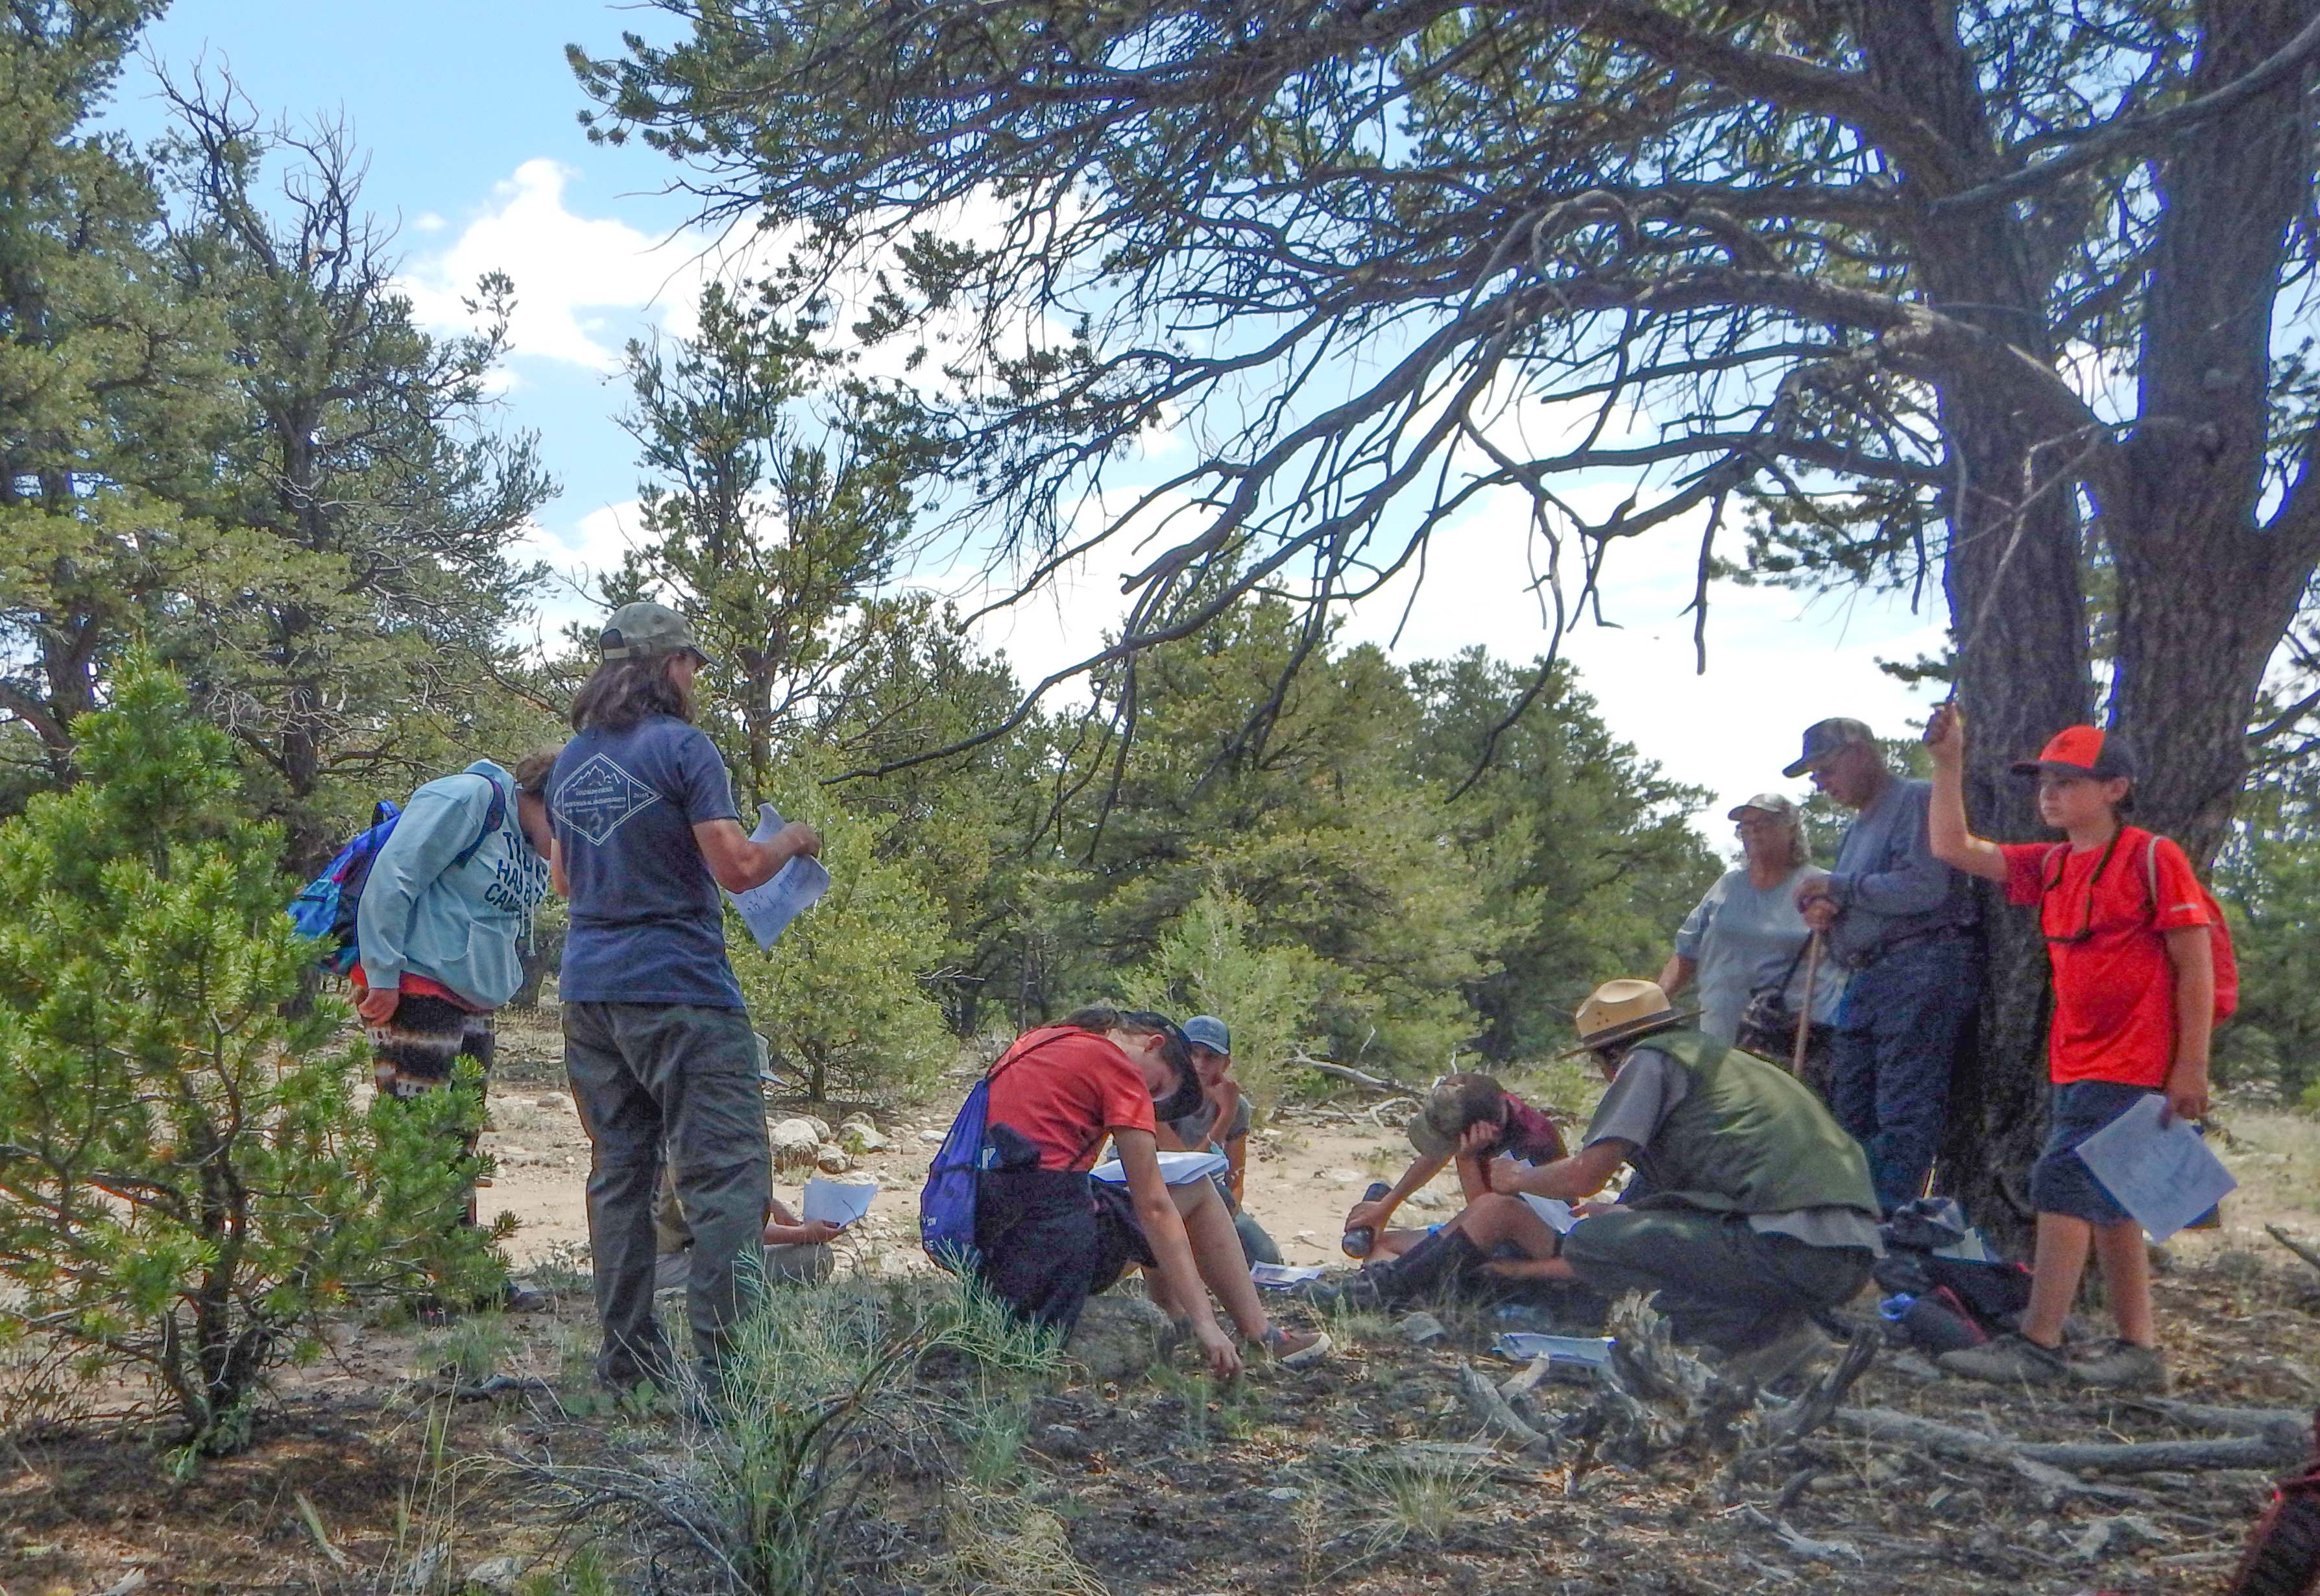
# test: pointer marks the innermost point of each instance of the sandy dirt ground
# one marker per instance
(1307, 1165)
(1303, 1174)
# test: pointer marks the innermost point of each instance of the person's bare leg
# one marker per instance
(1494, 1220)
(1393, 1243)
(2057, 1265)
(2126, 1280)
(1216, 1253)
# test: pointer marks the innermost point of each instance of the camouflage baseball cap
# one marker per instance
(645, 631)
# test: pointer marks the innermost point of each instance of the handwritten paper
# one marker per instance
(767, 910)
(840, 1202)
(2164, 1175)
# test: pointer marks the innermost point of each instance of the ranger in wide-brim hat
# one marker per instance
(1620, 1011)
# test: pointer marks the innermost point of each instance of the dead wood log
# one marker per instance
(2287, 1426)
(1339, 1072)
(2302, 1249)
(1492, 1410)
(2128, 1457)
(1809, 1412)
(2055, 1487)
(1525, 1379)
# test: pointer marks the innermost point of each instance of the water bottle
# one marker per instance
(1359, 1239)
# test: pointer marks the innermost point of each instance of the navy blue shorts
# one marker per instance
(2060, 1181)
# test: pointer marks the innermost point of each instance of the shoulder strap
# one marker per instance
(494, 817)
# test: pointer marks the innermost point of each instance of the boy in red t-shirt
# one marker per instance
(2126, 927)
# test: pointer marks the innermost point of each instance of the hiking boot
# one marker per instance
(2009, 1360)
(1788, 1354)
(2121, 1365)
(1440, 1259)
(1293, 1349)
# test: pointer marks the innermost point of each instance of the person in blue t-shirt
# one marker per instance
(656, 1041)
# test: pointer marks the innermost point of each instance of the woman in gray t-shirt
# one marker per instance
(1745, 936)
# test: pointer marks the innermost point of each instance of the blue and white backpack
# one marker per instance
(326, 908)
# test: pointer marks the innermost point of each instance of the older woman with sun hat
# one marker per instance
(1745, 942)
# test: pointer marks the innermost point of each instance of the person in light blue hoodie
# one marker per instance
(436, 928)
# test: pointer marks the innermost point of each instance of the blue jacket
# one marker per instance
(456, 923)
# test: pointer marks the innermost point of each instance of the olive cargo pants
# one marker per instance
(646, 1073)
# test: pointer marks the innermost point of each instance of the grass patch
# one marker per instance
(1414, 1498)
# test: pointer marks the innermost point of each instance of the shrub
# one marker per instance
(186, 1184)
(840, 997)
(1207, 964)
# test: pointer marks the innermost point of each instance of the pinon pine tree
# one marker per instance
(187, 1182)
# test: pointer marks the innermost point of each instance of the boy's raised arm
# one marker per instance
(1945, 829)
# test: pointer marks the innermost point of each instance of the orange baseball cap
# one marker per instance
(2079, 750)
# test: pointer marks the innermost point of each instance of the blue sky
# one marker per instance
(467, 113)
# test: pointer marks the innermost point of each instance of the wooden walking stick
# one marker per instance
(1804, 1009)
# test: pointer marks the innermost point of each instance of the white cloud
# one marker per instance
(579, 558)
(1777, 660)
(583, 285)
(429, 222)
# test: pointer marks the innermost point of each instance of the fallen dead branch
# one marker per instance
(1497, 1415)
(1339, 1072)
(2287, 1426)
(2302, 1249)
(2122, 1457)
(1803, 1546)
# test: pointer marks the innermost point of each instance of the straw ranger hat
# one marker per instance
(1620, 1011)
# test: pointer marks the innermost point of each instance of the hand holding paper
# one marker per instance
(797, 886)
(2156, 1167)
(838, 1202)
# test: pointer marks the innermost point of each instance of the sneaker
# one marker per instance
(2009, 1360)
(1295, 1349)
(2121, 1365)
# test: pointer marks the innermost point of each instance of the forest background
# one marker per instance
(228, 439)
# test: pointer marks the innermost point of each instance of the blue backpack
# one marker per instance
(326, 908)
(946, 1202)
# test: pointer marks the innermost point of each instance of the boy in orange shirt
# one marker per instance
(2127, 928)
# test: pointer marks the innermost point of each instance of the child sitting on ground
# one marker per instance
(2128, 929)
(1469, 1118)
(1047, 1236)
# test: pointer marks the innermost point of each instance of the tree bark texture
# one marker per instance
(2203, 591)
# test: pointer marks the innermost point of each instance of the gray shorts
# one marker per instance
(2060, 1181)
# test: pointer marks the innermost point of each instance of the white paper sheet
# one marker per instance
(1552, 1209)
(1524, 1346)
(796, 886)
(1177, 1169)
(1284, 1275)
(841, 1202)
(2165, 1177)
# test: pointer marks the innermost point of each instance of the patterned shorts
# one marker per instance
(415, 1050)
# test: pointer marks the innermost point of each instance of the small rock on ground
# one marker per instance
(1422, 1330)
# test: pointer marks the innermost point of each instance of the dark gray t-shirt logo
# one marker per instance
(597, 799)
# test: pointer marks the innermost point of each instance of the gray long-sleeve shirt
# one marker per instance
(1886, 881)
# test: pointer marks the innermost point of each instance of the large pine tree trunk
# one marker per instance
(2205, 591)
